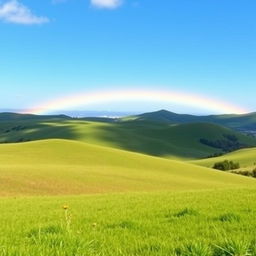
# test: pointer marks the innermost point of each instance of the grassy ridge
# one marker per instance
(170, 141)
(235, 121)
(57, 167)
(246, 157)
(207, 223)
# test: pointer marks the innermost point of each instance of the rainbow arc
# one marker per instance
(163, 96)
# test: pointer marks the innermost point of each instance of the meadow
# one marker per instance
(63, 167)
(245, 157)
(192, 223)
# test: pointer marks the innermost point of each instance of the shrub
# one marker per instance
(243, 172)
(246, 173)
(226, 165)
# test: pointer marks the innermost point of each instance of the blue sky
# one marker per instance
(53, 48)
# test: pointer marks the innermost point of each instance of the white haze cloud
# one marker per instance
(15, 12)
(110, 4)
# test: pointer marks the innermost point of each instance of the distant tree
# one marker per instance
(254, 173)
(246, 173)
(230, 137)
(214, 155)
(226, 165)
(228, 143)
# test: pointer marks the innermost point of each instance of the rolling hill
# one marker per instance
(241, 122)
(62, 167)
(152, 138)
(244, 122)
(10, 117)
(246, 158)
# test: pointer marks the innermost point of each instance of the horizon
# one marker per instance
(109, 114)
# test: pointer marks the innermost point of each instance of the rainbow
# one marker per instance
(163, 96)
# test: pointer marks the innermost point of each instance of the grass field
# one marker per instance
(203, 223)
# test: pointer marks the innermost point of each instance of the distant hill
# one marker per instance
(61, 167)
(187, 140)
(245, 157)
(8, 116)
(164, 116)
(245, 122)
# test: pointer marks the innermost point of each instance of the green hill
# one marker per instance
(244, 122)
(8, 116)
(153, 138)
(163, 116)
(246, 158)
(53, 167)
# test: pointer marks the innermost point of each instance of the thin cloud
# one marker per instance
(109, 4)
(15, 12)
(58, 1)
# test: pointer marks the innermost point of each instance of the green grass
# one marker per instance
(210, 223)
(246, 158)
(59, 167)
(165, 140)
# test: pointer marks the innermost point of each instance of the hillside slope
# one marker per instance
(53, 167)
(243, 122)
(8, 116)
(153, 138)
(246, 157)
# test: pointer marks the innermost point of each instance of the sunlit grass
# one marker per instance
(176, 223)
(245, 157)
(61, 167)
(180, 141)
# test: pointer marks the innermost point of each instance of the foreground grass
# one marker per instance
(217, 222)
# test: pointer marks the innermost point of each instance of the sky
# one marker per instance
(53, 49)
